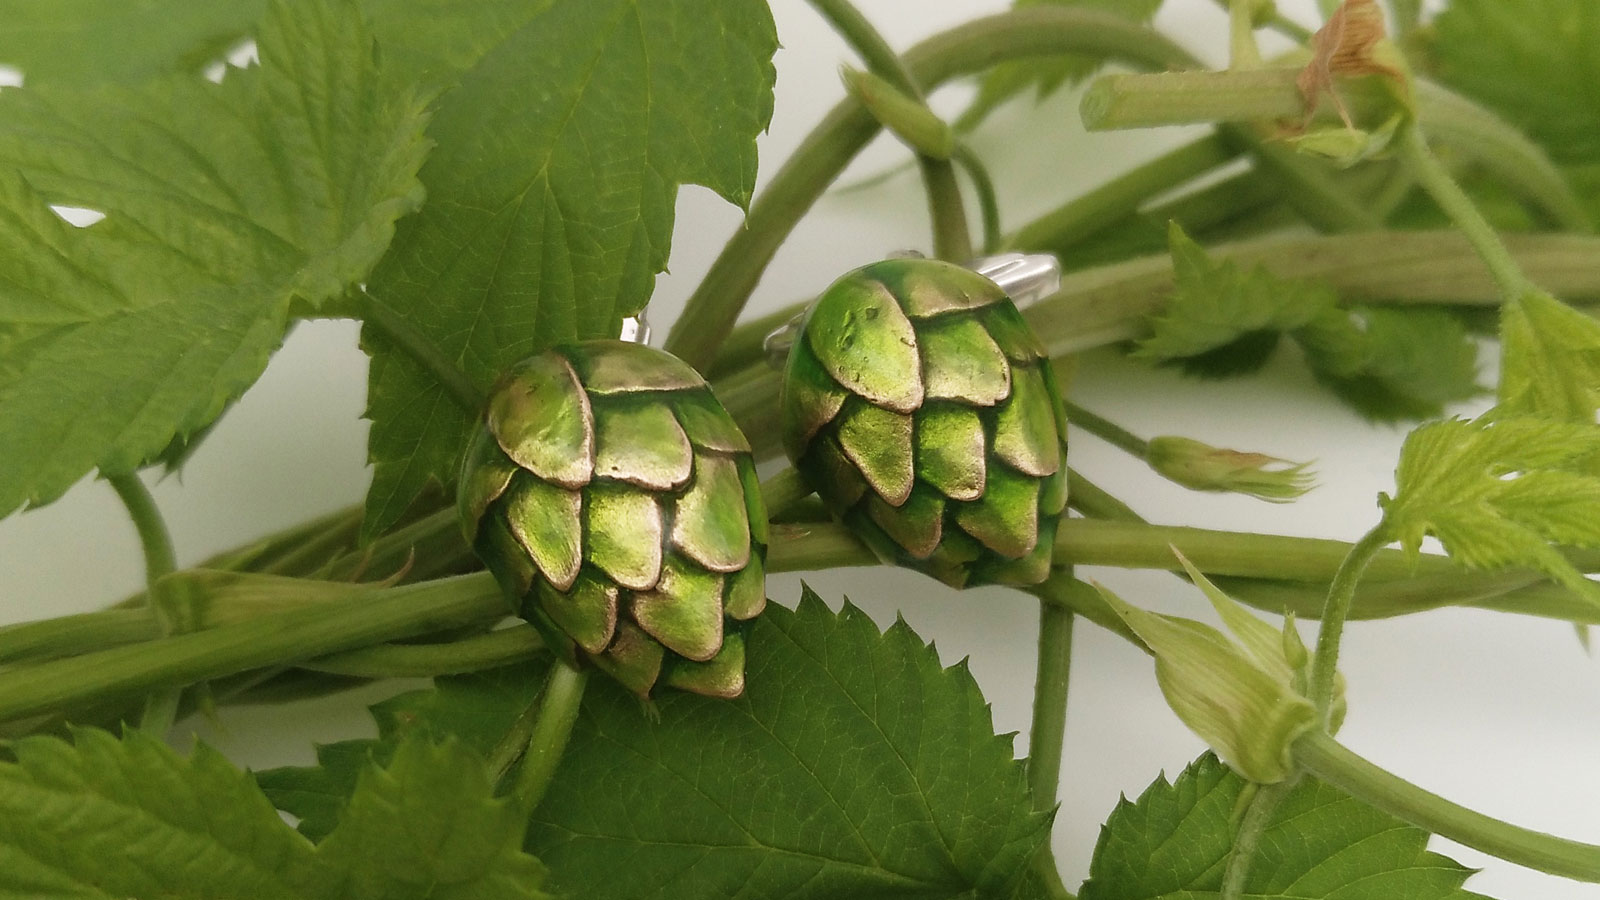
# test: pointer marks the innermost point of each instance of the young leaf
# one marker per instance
(1534, 61)
(85, 42)
(1047, 74)
(1392, 364)
(1549, 359)
(1214, 303)
(883, 769)
(1175, 840)
(550, 195)
(268, 198)
(428, 827)
(103, 818)
(1498, 491)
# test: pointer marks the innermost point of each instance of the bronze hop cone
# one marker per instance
(921, 407)
(617, 503)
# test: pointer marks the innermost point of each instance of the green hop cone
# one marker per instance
(617, 503)
(921, 407)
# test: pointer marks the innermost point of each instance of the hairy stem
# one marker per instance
(983, 189)
(1341, 595)
(160, 560)
(1336, 765)
(1033, 31)
(472, 654)
(552, 726)
(1245, 840)
(1107, 430)
(1047, 733)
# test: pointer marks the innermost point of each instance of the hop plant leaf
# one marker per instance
(1550, 359)
(549, 210)
(1498, 492)
(87, 42)
(103, 818)
(120, 337)
(1174, 841)
(854, 765)
(1387, 364)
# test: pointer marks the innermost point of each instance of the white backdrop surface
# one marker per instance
(1499, 712)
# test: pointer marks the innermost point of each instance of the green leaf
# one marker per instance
(1214, 303)
(1048, 74)
(1388, 364)
(130, 819)
(103, 818)
(1497, 491)
(1174, 841)
(885, 768)
(551, 192)
(428, 827)
(1392, 364)
(86, 42)
(1549, 359)
(1537, 62)
(270, 198)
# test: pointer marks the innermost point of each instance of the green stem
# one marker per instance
(848, 128)
(74, 634)
(1248, 837)
(270, 640)
(1341, 594)
(1093, 501)
(473, 654)
(1106, 430)
(1123, 195)
(1047, 734)
(950, 237)
(1115, 102)
(552, 726)
(1242, 50)
(160, 560)
(424, 351)
(782, 491)
(1336, 765)
(1436, 180)
(1309, 188)
(983, 189)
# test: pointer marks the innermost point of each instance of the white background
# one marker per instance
(1499, 712)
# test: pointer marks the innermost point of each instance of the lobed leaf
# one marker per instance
(120, 819)
(1174, 841)
(853, 766)
(87, 42)
(1549, 359)
(561, 145)
(276, 191)
(1536, 62)
(1499, 491)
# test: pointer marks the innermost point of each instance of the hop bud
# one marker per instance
(617, 503)
(1202, 467)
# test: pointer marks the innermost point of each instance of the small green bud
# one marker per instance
(1239, 695)
(1202, 467)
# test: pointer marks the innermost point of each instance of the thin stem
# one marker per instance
(1436, 180)
(1336, 765)
(1093, 501)
(848, 128)
(1047, 734)
(1106, 430)
(424, 351)
(160, 560)
(1092, 212)
(1341, 594)
(782, 491)
(951, 239)
(558, 710)
(481, 651)
(1115, 102)
(983, 189)
(1245, 841)
(1242, 50)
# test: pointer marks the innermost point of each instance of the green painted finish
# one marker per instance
(879, 443)
(1025, 432)
(617, 504)
(961, 363)
(967, 483)
(620, 367)
(684, 612)
(540, 416)
(547, 521)
(950, 451)
(623, 535)
(641, 443)
(865, 343)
